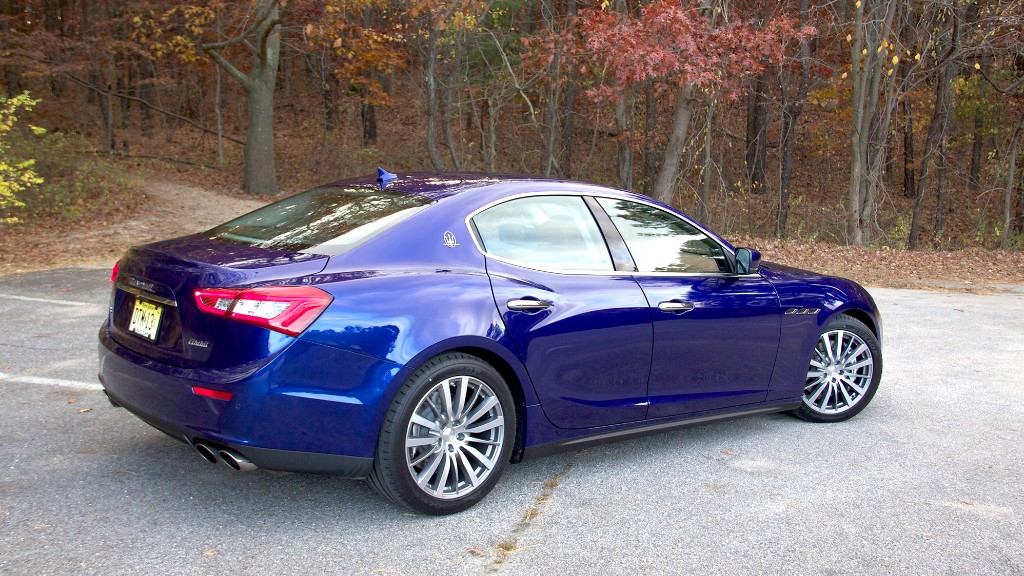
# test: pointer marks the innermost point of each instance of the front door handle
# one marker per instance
(675, 306)
(523, 305)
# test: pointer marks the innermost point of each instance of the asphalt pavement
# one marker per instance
(927, 480)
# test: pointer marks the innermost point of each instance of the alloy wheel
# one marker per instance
(840, 373)
(454, 437)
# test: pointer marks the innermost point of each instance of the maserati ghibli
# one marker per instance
(424, 331)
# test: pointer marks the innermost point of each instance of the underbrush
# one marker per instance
(79, 183)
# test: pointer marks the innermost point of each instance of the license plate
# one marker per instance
(146, 320)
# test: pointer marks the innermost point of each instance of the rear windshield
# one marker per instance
(325, 220)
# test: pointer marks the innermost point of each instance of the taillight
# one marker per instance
(286, 309)
(113, 273)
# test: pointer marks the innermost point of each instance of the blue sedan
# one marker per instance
(423, 331)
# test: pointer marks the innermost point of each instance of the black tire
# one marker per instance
(845, 373)
(456, 443)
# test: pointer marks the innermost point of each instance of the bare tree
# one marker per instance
(261, 35)
(792, 106)
(872, 23)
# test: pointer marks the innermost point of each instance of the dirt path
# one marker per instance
(171, 209)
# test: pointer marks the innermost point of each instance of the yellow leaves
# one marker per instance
(15, 176)
(889, 72)
(857, 4)
(605, 4)
(849, 37)
(977, 66)
(843, 77)
(895, 60)
(864, 52)
(917, 57)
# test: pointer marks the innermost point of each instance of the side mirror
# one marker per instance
(748, 261)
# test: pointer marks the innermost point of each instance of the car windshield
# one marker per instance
(327, 220)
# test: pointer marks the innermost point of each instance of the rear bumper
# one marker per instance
(312, 409)
(269, 458)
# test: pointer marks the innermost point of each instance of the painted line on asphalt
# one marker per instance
(4, 377)
(48, 300)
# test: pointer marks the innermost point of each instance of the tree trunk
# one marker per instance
(568, 125)
(979, 125)
(430, 77)
(867, 119)
(260, 174)
(704, 199)
(623, 149)
(757, 133)
(665, 182)
(549, 120)
(791, 111)
(937, 130)
(909, 183)
(446, 125)
(1011, 170)
(368, 115)
(650, 126)
(940, 190)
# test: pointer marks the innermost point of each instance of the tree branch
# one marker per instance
(229, 68)
(245, 33)
(999, 89)
(154, 108)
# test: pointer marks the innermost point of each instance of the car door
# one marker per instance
(582, 330)
(716, 333)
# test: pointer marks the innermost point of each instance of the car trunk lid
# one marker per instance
(153, 309)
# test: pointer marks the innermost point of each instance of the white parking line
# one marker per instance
(48, 300)
(5, 377)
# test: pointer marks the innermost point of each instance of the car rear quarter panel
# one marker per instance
(408, 295)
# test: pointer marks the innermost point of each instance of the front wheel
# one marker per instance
(846, 365)
(447, 437)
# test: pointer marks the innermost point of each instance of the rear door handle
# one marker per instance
(523, 305)
(675, 306)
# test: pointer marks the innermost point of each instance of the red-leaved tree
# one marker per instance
(690, 50)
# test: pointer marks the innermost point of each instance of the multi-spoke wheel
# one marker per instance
(447, 437)
(845, 367)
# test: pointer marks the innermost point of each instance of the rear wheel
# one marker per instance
(843, 375)
(447, 437)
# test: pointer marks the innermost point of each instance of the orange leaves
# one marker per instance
(367, 40)
(674, 45)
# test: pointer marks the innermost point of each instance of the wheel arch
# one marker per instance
(863, 317)
(499, 357)
(508, 373)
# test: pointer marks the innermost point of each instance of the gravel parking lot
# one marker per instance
(926, 480)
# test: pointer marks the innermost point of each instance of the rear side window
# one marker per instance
(554, 233)
(325, 220)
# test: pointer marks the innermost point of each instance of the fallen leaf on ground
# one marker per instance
(210, 552)
(477, 552)
(83, 410)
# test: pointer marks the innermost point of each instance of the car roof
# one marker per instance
(438, 185)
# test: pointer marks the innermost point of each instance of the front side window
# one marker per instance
(662, 242)
(325, 220)
(555, 233)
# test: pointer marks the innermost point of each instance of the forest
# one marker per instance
(886, 123)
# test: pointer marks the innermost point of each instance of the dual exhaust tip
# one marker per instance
(229, 457)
